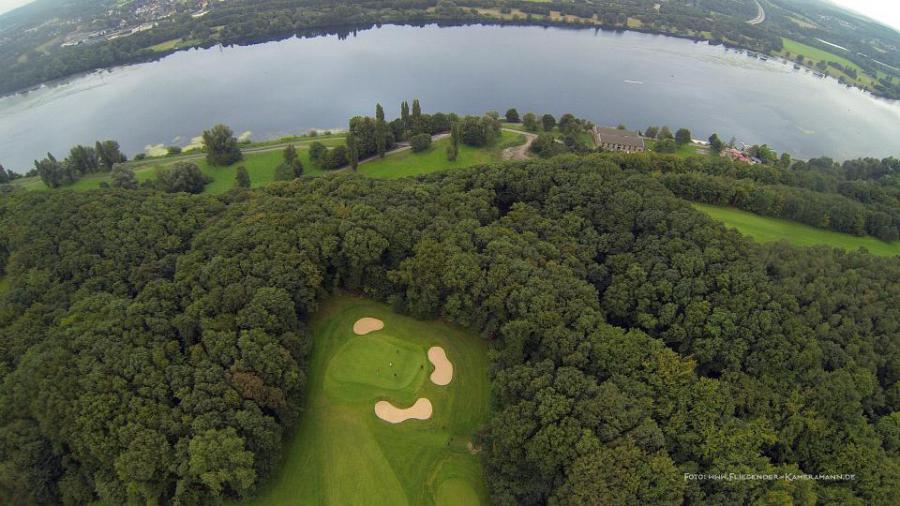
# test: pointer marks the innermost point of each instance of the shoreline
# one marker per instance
(345, 30)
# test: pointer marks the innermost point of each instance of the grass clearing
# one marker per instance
(766, 229)
(343, 454)
(434, 159)
(261, 159)
(681, 151)
(813, 53)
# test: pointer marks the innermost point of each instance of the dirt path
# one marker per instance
(760, 15)
(519, 152)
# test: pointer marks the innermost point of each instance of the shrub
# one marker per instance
(182, 177)
(420, 142)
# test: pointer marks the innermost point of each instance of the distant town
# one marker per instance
(130, 18)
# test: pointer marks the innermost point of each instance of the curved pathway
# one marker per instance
(519, 152)
(760, 15)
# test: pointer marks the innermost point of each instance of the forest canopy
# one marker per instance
(154, 345)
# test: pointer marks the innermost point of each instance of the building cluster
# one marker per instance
(135, 18)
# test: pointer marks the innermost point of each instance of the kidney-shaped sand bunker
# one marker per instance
(421, 410)
(443, 369)
(365, 325)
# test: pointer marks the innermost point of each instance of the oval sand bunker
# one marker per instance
(443, 369)
(365, 325)
(421, 410)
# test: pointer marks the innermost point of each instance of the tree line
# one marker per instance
(859, 197)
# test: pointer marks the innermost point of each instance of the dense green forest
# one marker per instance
(32, 50)
(155, 346)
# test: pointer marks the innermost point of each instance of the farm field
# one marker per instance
(406, 163)
(342, 453)
(766, 229)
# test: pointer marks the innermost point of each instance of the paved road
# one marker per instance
(760, 15)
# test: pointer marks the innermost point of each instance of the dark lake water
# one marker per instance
(284, 87)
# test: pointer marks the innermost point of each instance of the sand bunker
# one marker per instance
(421, 410)
(443, 369)
(365, 325)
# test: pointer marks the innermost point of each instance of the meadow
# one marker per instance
(343, 454)
(434, 159)
(766, 229)
(260, 160)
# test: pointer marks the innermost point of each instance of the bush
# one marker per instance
(479, 131)
(420, 142)
(123, 177)
(336, 158)
(452, 153)
(182, 177)
(173, 150)
(316, 150)
(221, 146)
(284, 172)
(546, 146)
(665, 146)
(512, 116)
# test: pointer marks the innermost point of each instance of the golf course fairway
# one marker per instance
(343, 454)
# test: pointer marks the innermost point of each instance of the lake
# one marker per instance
(278, 88)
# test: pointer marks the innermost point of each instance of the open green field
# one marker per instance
(681, 151)
(794, 48)
(343, 454)
(766, 229)
(172, 44)
(406, 163)
(585, 138)
(261, 159)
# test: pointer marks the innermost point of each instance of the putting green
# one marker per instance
(380, 362)
(343, 454)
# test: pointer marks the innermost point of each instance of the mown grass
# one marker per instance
(766, 229)
(406, 163)
(342, 453)
(681, 151)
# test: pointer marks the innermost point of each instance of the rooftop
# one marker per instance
(617, 136)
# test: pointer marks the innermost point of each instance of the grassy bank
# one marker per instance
(343, 454)
(765, 229)
(792, 48)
